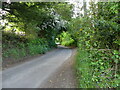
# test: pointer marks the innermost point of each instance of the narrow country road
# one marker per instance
(32, 74)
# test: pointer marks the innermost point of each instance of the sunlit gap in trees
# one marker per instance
(4, 23)
(80, 7)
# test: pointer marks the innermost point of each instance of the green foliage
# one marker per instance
(64, 10)
(104, 34)
(66, 39)
(16, 47)
(84, 76)
(100, 30)
(98, 68)
(21, 52)
(35, 49)
(37, 46)
(97, 37)
(15, 53)
(36, 19)
(31, 27)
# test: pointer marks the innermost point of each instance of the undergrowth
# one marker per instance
(15, 47)
(98, 68)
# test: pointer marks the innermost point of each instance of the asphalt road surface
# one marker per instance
(33, 73)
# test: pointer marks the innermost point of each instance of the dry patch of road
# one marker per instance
(63, 77)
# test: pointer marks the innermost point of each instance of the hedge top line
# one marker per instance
(59, 0)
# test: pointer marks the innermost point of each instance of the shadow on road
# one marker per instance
(63, 47)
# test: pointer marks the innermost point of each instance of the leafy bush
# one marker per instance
(66, 39)
(98, 68)
(12, 53)
(36, 49)
(37, 46)
(20, 50)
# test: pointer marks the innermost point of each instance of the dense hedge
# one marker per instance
(98, 68)
(17, 47)
(98, 40)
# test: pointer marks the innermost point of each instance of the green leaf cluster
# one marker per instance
(66, 39)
